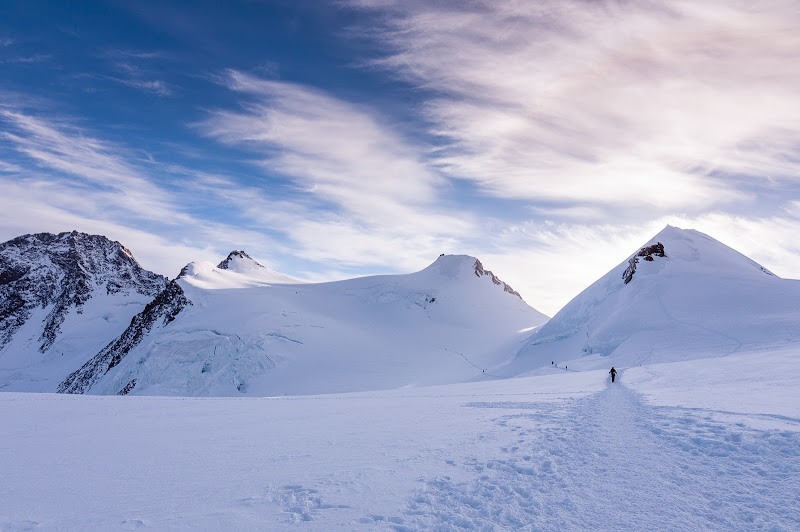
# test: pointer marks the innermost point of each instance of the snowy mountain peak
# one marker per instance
(691, 246)
(238, 258)
(238, 270)
(452, 266)
(60, 274)
(464, 267)
(681, 295)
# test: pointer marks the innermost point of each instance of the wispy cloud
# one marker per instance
(78, 181)
(157, 87)
(9, 168)
(375, 194)
(27, 59)
(64, 148)
(604, 102)
(134, 68)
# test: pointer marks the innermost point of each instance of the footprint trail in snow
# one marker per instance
(611, 462)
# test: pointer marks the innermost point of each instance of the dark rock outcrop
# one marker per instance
(163, 309)
(480, 271)
(647, 253)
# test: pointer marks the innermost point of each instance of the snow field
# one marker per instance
(563, 451)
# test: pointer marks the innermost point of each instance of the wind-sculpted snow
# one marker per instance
(164, 308)
(681, 296)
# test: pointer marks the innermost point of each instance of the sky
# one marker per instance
(331, 140)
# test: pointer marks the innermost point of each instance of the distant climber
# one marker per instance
(613, 373)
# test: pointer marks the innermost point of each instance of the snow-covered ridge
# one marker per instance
(479, 271)
(232, 332)
(159, 312)
(647, 254)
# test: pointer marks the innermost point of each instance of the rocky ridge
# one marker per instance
(480, 271)
(62, 272)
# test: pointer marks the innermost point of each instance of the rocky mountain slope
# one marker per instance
(62, 297)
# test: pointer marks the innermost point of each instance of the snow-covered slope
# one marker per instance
(238, 270)
(700, 447)
(225, 331)
(63, 297)
(682, 296)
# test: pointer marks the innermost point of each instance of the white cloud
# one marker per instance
(321, 141)
(81, 182)
(66, 149)
(376, 201)
(604, 102)
(9, 168)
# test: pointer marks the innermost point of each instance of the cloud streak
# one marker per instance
(615, 103)
(374, 193)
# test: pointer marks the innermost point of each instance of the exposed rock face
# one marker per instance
(63, 272)
(647, 253)
(479, 271)
(164, 308)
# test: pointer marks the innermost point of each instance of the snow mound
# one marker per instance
(683, 295)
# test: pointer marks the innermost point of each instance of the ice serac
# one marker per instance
(240, 336)
(61, 297)
(683, 295)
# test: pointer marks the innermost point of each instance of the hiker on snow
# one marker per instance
(613, 373)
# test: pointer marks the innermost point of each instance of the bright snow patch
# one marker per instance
(567, 451)
(447, 323)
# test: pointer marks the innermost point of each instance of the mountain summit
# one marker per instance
(681, 295)
(65, 296)
(238, 270)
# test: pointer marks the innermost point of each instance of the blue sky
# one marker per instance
(329, 140)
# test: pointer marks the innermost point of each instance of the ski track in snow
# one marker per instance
(611, 462)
